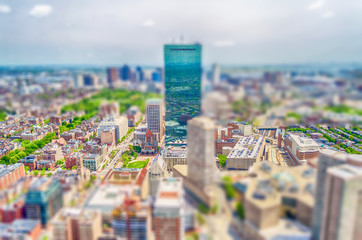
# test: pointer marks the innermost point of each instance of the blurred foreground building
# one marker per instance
(21, 229)
(199, 174)
(72, 224)
(279, 202)
(169, 210)
(132, 219)
(342, 209)
(9, 174)
(44, 199)
(338, 196)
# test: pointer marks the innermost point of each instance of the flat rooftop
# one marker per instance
(247, 147)
(182, 169)
(169, 193)
(107, 197)
(346, 171)
(174, 152)
(274, 182)
(303, 141)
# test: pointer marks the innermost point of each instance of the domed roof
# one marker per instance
(284, 177)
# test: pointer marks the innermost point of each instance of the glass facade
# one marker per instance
(182, 88)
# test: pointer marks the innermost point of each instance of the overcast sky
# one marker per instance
(114, 32)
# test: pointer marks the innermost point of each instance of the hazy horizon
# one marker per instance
(232, 32)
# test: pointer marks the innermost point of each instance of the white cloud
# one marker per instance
(316, 5)
(41, 10)
(328, 14)
(4, 9)
(148, 23)
(224, 43)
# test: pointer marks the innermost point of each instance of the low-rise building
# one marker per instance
(133, 115)
(245, 153)
(21, 229)
(107, 109)
(149, 145)
(174, 155)
(119, 123)
(73, 158)
(52, 152)
(12, 211)
(108, 135)
(68, 136)
(106, 197)
(92, 161)
(139, 135)
(55, 120)
(300, 149)
(9, 174)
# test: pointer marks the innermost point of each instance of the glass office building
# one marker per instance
(182, 87)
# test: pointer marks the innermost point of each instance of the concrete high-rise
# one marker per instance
(182, 87)
(215, 74)
(201, 166)
(327, 159)
(139, 74)
(342, 207)
(169, 210)
(154, 115)
(112, 75)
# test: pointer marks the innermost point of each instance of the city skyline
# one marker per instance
(193, 119)
(235, 33)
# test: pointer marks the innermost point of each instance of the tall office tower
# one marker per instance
(342, 208)
(215, 74)
(182, 88)
(44, 199)
(76, 224)
(169, 210)
(154, 115)
(201, 165)
(157, 75)
(125, 73)
(90, 80)
(79, 81)
(327, 158)
(112, 75)
(139, 74)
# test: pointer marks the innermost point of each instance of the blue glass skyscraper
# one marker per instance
(182, 87)
(125, 73)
